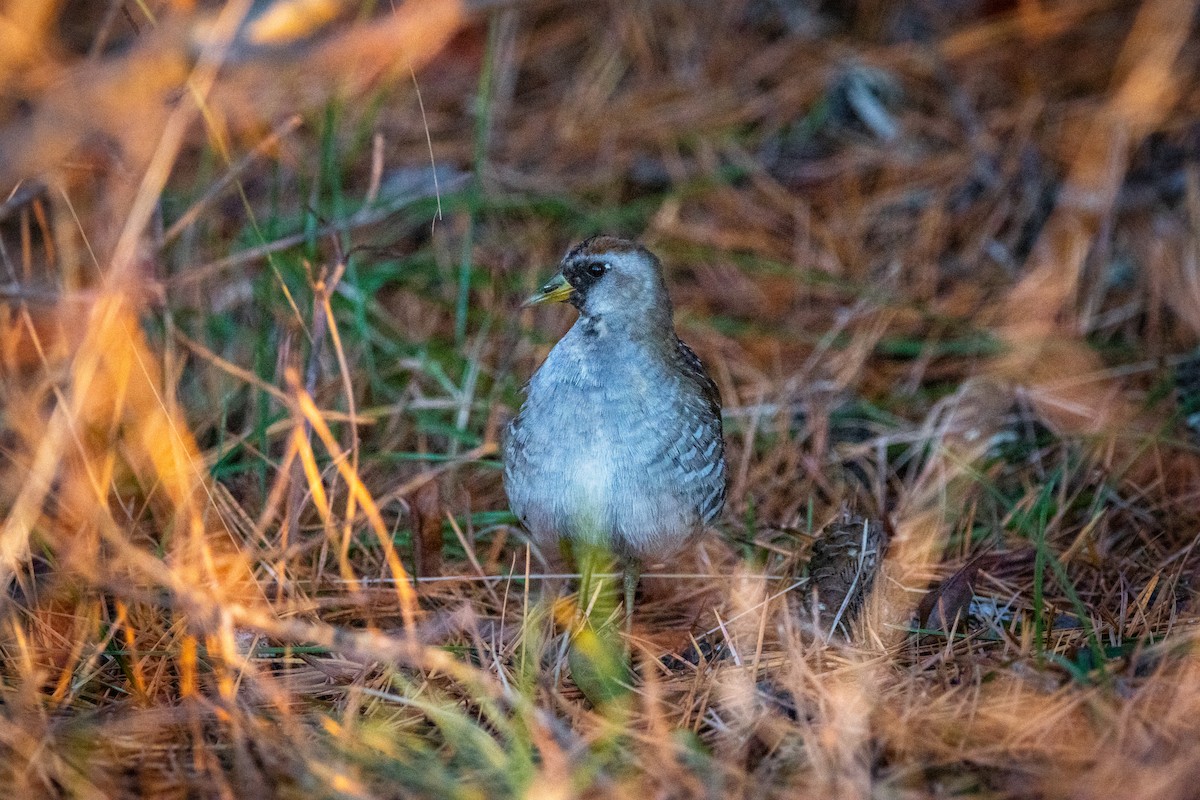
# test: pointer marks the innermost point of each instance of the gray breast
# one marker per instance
(615, 446)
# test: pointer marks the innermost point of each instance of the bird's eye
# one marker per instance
(596, 269)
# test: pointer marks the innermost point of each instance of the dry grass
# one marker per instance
(256, 350)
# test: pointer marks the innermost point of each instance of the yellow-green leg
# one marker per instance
(633, 573)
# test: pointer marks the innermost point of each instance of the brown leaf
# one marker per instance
(427, 530)
(948, 602)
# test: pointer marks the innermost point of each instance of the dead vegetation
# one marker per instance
(260, 330)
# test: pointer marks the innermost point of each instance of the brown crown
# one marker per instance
(598, 245)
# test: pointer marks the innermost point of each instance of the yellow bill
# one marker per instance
(557, 290)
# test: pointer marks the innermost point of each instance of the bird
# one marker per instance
(618, 445)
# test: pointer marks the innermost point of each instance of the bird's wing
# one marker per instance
(695, 370)
(702, 461)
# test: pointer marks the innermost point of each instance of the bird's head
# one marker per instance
(612, 279)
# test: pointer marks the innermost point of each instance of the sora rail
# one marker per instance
(618, 444)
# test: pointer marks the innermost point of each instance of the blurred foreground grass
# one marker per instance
(262, 266)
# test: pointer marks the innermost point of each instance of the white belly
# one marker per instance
(591, 449)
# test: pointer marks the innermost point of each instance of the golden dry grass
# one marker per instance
(259, 331)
